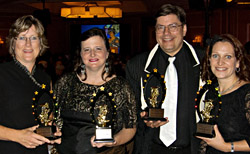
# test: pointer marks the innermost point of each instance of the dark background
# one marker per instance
(137, 24)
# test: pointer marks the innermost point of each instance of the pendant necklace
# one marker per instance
(231, 87)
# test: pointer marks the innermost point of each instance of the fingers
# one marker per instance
(37, 140)
(92, 141)
(29, 139)
(58, 132)
(203, 138)
(216, 130)
(99, 145)
(57, 141)
(209, 140)
(33, 128)
(155, 124)
(40, 139)
(143, 114)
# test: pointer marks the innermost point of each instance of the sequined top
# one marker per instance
(74, 98)
(234, 119)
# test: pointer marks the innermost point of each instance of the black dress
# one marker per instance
(234, 119)
(74, 98)
(16, 93)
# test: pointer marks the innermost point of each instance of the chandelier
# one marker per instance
(90, 11)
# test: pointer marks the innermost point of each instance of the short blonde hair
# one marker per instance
(21, 25)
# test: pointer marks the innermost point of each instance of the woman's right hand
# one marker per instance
(99, 145)
(29, 139)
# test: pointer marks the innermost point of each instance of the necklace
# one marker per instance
(231, 87)
(27, 72)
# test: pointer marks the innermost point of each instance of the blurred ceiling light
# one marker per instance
(91, 12)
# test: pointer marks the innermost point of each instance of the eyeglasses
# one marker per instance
(171, 28)
(23, 39)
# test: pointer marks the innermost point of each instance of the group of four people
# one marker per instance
(224, 63)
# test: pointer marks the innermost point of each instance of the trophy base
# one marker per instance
(46, 131)
(104, 140)
(103, 134)
(153, 119)
(205, 130)
(155, 115)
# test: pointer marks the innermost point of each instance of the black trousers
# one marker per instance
(160, 149)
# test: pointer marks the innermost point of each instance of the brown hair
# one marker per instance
(240, 54)
(86, 35)
(167, 9)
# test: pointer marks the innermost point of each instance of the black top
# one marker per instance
(188, 83)
(183, 132)
(16, 93)
(74, 98)
(234, 119)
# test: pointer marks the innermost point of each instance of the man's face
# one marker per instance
(170, 33)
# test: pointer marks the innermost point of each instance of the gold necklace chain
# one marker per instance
(231, 87)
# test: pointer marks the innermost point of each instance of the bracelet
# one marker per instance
(232, 146)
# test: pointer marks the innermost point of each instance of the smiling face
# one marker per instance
(170, 42)
(94, 53)
(27, 46)
(223, 61)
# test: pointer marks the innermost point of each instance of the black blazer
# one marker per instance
(134, 72)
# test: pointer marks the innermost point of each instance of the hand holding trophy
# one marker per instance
(205, 127)
(44, 110)
(103, 111)
(154, 93)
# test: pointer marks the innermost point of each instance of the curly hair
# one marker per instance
(240, 54)
(22, 24)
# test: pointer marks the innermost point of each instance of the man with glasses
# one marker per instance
(152, 136)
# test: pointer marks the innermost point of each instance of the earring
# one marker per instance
(83, 69)
(237, 69)
(106, 67)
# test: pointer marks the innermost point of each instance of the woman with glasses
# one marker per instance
(19, 79)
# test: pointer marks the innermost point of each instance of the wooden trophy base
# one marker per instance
(46, 131)
(155, 114)
(205, 130)
(103, 135)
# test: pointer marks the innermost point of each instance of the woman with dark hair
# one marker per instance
(226, 67)
(78, 106)
(19, 79)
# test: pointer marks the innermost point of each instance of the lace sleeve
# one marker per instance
(203, 147)
(131, 107)
(125, 100)
(247, 100)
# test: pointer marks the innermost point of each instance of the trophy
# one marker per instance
(154, 94)
(44, 110)
(103, 111)
(205, 127)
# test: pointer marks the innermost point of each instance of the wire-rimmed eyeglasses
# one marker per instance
(23, 39)
(171, 28)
